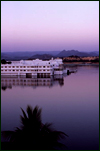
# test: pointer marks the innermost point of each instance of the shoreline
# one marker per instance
(80, 64)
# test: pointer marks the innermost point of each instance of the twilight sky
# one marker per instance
(49, 25)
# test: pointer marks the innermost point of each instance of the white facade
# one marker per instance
(33, 67)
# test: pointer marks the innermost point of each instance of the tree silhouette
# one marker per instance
(33, 134)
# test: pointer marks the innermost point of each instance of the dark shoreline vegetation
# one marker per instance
(70, 59)
(33, 134)
(80, 59)
(3, 61)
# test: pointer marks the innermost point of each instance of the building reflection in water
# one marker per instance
(9, 82)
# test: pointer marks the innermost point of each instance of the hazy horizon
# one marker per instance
(45, 51)
(49, 26)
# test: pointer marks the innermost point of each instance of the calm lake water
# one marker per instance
(71, 103)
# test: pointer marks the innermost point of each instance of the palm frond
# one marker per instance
(23, 120)
(35, 110)
(48, 124)
(17, 129)
(29, 111)
(7, 134)
(62, 133)
(25, 116)
(56, 135)
(33, 131)
(58, 145)
(37, 114)
(46, 127)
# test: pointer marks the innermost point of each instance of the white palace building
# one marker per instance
(33, 68)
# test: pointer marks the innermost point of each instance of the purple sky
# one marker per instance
(49, 26)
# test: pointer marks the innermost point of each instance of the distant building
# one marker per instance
(33, 68)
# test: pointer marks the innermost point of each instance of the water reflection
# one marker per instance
(9, 82)
(72, 108)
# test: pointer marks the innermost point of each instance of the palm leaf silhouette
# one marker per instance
(33, 134)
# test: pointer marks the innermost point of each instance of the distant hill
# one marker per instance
(13, 56)
(67, 53)
(42, 57)
(94, 53)
(25, 55)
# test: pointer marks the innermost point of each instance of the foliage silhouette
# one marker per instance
(33, 134)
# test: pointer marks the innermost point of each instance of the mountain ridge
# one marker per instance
(67, 53)
(11, 56)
